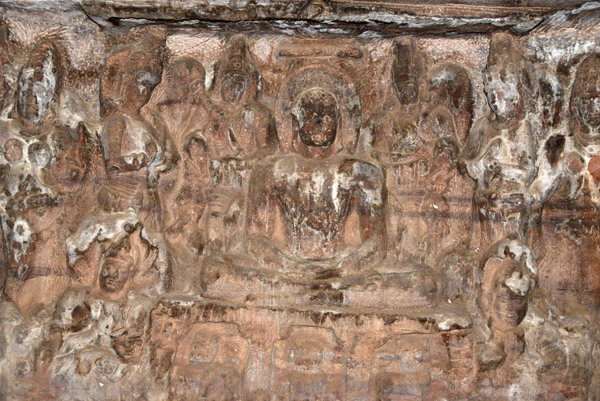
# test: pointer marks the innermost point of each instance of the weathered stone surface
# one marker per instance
(299, 200)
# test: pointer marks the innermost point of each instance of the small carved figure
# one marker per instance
(135, 153)
(239, 130)
(186, 116)
(182, 226)
(24, 136)
(48, 218)
(501, 153)
(419, 140)
(182, 190)
(245, 125)
(181, 100)
(38, 87)
(508, 279)
(450, 86)
(555, 166)
(394, 134)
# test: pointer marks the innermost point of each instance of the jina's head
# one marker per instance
(316, 115)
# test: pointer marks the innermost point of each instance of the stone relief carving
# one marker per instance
(502, 158)
(224, 214)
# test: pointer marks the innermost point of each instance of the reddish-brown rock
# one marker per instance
(286, 201)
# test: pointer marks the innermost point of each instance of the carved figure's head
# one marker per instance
(184, 77)
(130, 261)
(131, 74)
(551, 98)
(316, 115)
(129, 337)
(237, 76)
(117, 268)
(446, 152)
(585, 99)
(406, 72)
(508, 280)
(39, 83)
(233, 87)
(510, 295)
(501, 88)
(453, 87)
(509, 80)
(73, 159)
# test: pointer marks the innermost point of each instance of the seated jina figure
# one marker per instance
(315, 225)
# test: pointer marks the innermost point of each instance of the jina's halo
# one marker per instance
(330, 80)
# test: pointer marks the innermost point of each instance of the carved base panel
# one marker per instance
(313, 200)
(242, 352)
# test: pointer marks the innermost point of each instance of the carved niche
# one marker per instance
(299, 210)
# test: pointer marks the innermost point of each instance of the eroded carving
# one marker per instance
(209, 214)
(502, 146)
